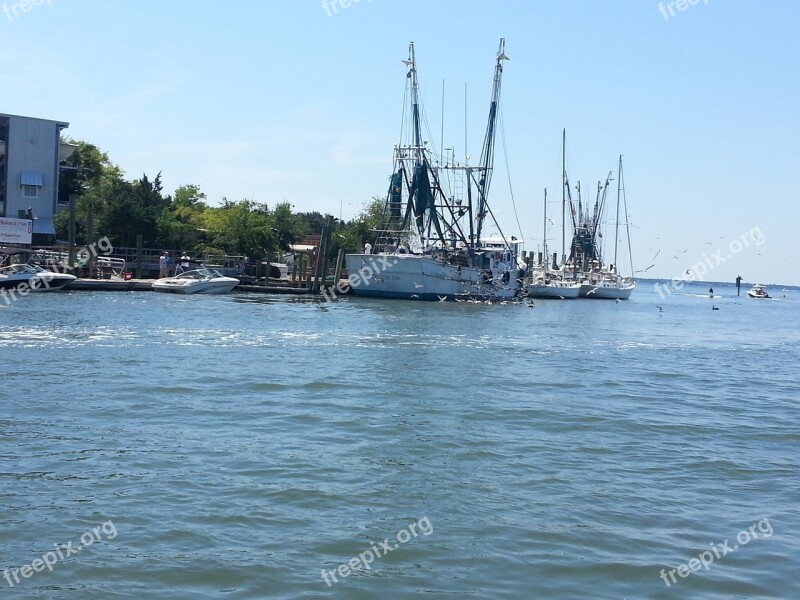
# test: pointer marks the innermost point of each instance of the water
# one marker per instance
(237, 446)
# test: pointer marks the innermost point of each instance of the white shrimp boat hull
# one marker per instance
(415, 277)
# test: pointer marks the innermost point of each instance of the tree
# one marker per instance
(89, 174)
(288, 228)
(181, 224)
(244, 227)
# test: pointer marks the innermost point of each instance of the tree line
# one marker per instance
(122, 209)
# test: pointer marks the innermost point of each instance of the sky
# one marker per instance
(289, 100)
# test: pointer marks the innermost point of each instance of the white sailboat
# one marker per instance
(545, 283)
(432, 245)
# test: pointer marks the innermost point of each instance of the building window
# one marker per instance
(30, 191)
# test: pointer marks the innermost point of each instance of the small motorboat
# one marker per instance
(32, 277)
(27, 276)
(758, 291)
(196, 281)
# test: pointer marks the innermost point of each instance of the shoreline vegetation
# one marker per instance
(121, 209)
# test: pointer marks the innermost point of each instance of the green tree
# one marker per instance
(244, 227)
(181, 224)
(90, 175)
(289, 227)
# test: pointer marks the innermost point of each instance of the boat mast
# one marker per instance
(544, 233)
(487, 154)
(563, 195)
(616, 225)
(417, 132)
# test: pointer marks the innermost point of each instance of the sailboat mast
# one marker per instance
(563, 196)
(616, 226)
(487, 154)
(544, 232)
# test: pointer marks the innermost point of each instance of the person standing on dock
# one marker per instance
(367, 248)
(163, 266)
(185, 266)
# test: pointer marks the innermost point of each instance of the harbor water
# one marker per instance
(245, 446)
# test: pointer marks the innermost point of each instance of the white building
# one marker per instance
(30, 152)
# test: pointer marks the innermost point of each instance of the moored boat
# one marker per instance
(27, 276)
(196, 281)
(432, 245)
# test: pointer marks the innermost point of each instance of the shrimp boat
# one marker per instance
(585, 263)
(432, 244)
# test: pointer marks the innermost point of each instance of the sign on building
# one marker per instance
(15, 231)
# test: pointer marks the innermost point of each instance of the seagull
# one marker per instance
(561, 297)
(414, 297)
(618, 300)
(714, 307)
(593, 290)
(417, 285)
(659, 308)
(442, 298)
(408, 63)
(531, 305)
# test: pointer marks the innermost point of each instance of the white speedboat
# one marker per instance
(758, 291)
(27, 276)
(33, 278)
(197, 281)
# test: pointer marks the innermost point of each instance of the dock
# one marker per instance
(146, 285)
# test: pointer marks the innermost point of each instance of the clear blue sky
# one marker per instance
(278, 100)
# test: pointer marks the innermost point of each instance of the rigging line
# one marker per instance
(508, 169)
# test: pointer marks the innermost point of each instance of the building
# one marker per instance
(30, 153)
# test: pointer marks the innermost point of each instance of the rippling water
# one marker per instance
(238, 446)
